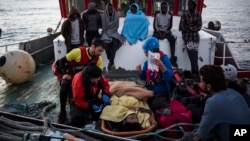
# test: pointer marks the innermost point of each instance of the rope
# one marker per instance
(59, 23)
(34, 110)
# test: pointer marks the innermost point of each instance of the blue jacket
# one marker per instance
(222, 109)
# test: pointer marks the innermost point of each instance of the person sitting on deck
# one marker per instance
(122, 112)
(90, 90)
(110, 35)
(158, 82)
(135, 25)
(223, 108)
(162, 29)
(72, 63)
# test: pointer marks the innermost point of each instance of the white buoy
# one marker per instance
(17, 66)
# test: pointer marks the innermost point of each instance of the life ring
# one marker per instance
(17, 66)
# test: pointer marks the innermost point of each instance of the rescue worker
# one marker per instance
(72, 63)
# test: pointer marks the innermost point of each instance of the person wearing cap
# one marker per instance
(159, 80)
(190, 25)
(223, 108)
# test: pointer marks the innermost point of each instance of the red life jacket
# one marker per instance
(77, 66)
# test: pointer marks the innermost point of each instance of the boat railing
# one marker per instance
(8, 47)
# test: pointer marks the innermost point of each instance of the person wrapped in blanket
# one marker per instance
(90, 91)
(128, 109)
(158, 73)
(135, 24)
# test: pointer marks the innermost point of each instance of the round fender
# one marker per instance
(17, 66)
(214, 25)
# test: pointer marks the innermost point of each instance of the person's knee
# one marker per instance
(65, 85)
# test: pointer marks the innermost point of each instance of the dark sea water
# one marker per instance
(27, 19)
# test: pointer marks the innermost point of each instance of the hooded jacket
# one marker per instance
(67, 30)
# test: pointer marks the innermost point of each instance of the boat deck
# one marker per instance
(43, 86)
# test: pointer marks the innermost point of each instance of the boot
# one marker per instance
(173, 60)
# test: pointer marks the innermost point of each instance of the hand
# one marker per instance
(196, 137)
(105, 99)
(67, 77)
(157, 61)
(97, 108)
(54, 67)
(138, 69)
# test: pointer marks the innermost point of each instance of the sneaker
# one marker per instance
(61, 118)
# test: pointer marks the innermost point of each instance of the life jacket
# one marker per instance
(78, 66)
(153, 77)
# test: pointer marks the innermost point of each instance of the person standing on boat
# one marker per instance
(92, 22)
(223, 108)
(158, 82)
(135, 25)
(190, 25)
(73, 30)
(68, 66)
(162, 29)
(90, 91)
(110, 35)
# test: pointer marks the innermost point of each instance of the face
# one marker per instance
(95, 80)
(132, 118)
(96, 51)
(191, 6)
(164, 8)
(133, 9)
(206, 87)
(110, 9)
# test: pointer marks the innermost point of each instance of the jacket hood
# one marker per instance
(164, 2)
(73, 11)
(138, 10)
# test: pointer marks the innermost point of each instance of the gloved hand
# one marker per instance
(97, 108)
(105, 99)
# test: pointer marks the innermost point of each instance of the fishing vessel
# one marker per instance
(43, 85)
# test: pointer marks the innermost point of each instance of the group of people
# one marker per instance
(93, 97)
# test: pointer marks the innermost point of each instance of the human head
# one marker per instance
(131, 123)
(212, 78)
(73, 14)
(133, 8)
(151, 44)
(97, 47)
(92, 6)
(164, 7)
(92, 73)
(110, 8)
(192, 5)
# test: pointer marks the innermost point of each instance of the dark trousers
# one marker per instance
(90, 35)
(79, 115)
(162, 35)
(111, 49)
(65, 93)
(193, 57)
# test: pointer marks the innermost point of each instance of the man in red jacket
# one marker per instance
(90, 91)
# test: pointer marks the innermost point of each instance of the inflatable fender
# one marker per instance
(16, 66)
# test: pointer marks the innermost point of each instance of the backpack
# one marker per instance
(173, 113)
